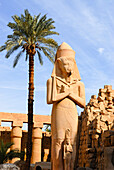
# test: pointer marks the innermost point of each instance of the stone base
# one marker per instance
(108, 158)
(43, 165)
(9, 166)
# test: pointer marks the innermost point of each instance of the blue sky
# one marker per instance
(86, 25)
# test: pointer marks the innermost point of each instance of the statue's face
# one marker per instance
(66, 65)
(68, 141)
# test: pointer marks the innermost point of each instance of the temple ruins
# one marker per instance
(95, 136)
(19, 136)
(96, 132)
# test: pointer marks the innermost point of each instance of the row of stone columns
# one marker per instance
(16, 135)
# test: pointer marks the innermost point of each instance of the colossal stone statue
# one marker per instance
(64, 91)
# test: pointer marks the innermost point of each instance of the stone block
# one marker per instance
(110, 94)
(112, 140)
(94, 143)
(17, 123)
(95, 136)
(84, 168)
(43, 165)
(38, 124)
(108, 133)
(90, 150)
(109, 90)
(105, 118)
(109, 87)
(103, 112)
(93, 97)
(92, 132)
(109, 110)
(108, 156)
(110, 106)
(90, 155)
(21, 164)
(109, 98)
(102, 90)
(98, 131)
(100, 99)
(9, 166)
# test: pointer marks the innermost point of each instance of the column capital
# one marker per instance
(16, 132)
(37, 133)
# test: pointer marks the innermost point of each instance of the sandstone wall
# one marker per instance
(97, 131)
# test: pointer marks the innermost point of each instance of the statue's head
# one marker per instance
(65, 62)
(66, 65)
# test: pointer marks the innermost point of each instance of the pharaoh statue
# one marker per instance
(64, 91)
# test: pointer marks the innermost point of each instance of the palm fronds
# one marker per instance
(40, 57)
(6, 154)
(17, 58)
(28, 30)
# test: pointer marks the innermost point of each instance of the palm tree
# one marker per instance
(48, 128)
(31, 35)
(6, 155)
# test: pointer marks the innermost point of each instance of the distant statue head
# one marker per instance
(65, 63)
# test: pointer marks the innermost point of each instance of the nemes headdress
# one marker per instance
(64, 50)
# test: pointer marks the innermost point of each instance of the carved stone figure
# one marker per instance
(64, 91)
(67, 150)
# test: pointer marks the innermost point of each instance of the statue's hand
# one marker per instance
(68, 91)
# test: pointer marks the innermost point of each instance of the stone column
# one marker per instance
(37, 141)
(16, 135)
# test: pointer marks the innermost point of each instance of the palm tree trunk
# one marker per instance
(30, 109)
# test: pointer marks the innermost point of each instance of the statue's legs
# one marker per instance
(57, 139)
(73, 156)
(63, 119)
(74, 143)
(57, 159)
(67, 164)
